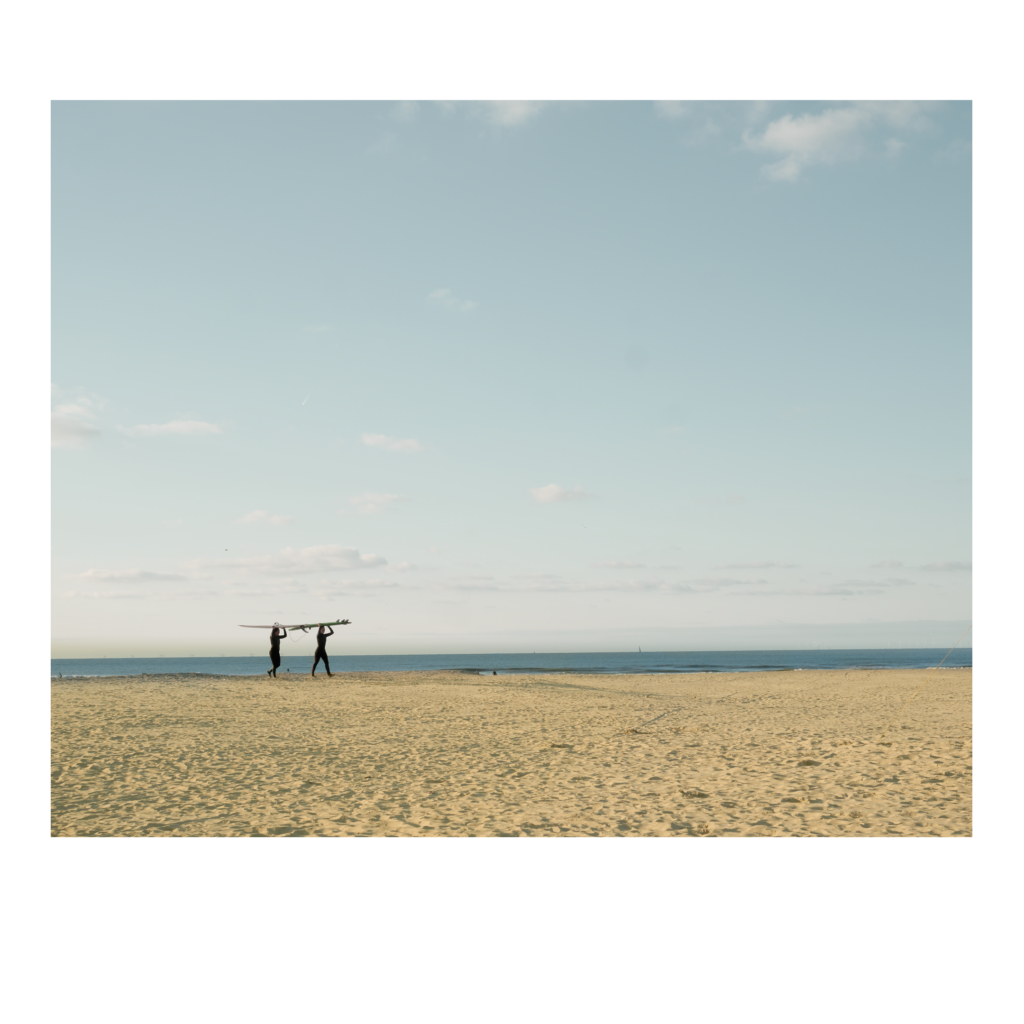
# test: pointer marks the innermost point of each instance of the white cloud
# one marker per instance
(715, 583)
(625, 586)
(837, 134)
(887, 565)
(66, 432)
(340, 586)
(391, 444)
(832, 591)
(259, 516)
(617, 565)
(369, 503)
(321, 590)
(758, 565)
(811, 138)
(324, 558)
(401, 567)
(174, 427)
(891, 581)
(672, 109)
(446, 297)
(554, 492)
(512, 112)
(846, 588)
(71, 424)
(548, 583)
(137, 595)
(948, 567)
(133, 575)
(279, 587)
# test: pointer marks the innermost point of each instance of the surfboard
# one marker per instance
(304, 626)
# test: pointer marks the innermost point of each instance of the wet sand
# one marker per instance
(451, 754)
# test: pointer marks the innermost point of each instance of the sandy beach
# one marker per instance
(452, 754)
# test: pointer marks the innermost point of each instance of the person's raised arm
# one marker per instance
(330, 632)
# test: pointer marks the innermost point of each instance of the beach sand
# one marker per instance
(453, 754)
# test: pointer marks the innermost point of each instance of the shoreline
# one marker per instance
(56, 680)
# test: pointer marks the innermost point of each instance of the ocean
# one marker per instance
(503, 664)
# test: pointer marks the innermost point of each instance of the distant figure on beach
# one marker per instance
(321, 649)
(277, 634)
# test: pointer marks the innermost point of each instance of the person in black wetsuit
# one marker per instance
(276, 636)
(321, 649)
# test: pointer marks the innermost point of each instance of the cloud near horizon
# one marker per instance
(758, 565)
(132, 575)
(323, 558)
(391, 444)
(715, 583)
(948, 567)
(548, 583)
(137, 595)
(846, 588)
(179, 427)
(554, 492)
(621, 586)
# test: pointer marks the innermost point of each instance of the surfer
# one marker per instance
(321, 649)
(277, 634)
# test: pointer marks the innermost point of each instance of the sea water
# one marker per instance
(486, 664)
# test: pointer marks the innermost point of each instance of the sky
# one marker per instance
(510, 376)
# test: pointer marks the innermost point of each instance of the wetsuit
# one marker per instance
(275, 652)
(321, 651)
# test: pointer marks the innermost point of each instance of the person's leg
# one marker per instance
(316, 661)
(276, 659)
(327, 664)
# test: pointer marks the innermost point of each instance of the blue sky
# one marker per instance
(511, 376)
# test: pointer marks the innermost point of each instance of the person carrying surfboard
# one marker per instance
(276, 636)
(321, 648)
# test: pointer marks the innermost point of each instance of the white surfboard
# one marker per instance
(304, 626)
